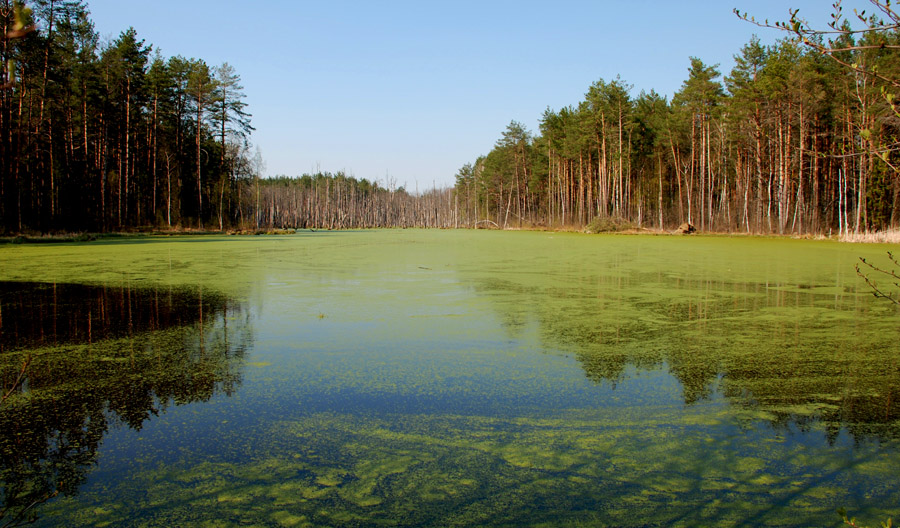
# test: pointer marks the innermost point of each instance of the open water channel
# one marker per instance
(446, 378)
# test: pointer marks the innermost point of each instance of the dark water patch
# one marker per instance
(96, 358)
(34, 314)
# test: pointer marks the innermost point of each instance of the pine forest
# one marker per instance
(108, 136)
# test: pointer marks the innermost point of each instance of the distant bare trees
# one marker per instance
(337, 201)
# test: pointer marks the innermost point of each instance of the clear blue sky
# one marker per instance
(412, 90)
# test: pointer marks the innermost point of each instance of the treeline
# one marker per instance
(103, 136)
(110, 136)
(338, 201)
(789, 141)
(107, 136)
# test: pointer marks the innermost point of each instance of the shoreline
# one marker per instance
(876, 237)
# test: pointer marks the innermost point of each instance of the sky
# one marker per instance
(406, 92)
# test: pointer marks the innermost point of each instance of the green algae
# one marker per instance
(793, 350)
(365, 474)
(510, 379)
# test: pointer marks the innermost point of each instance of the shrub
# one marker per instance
(609, 224)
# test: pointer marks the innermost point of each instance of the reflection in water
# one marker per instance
(100, 356)
(41, 314)
(792, 356)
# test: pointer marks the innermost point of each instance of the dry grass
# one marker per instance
(879, 237)
(266, 231)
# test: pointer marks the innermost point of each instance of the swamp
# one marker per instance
(446, 378)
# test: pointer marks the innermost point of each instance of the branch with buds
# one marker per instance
(813, 38)
(892, 273)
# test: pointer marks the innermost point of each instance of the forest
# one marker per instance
(113, 136)
(789, 141)
(104, 136)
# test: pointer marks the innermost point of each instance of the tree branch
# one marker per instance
(878, 292)
(800, 28)
(18, 379)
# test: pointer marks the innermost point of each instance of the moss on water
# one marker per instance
(500, 379)
(352, 471)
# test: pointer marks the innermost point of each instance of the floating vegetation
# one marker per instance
(788, 355)
(601, 467)
(459, 379)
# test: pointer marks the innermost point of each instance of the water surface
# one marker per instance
(441, 378)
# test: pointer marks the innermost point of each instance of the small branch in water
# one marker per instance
(20, 519)
(18, 379)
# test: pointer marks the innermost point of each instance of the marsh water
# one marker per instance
(446, 378)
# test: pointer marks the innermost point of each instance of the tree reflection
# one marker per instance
(792, 356)
(99, 356)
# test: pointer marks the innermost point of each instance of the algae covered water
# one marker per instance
(446, 378)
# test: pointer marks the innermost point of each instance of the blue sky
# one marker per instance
(411, 90)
